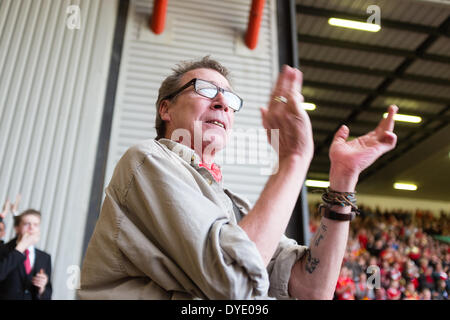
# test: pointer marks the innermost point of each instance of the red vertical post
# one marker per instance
(158, 19)
(254, 23)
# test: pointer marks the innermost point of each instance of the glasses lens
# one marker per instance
(210, 90)
(234, 102)
(206, 89)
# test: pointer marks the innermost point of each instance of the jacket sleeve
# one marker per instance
(9, 261)
(287, 254)
(170, 230)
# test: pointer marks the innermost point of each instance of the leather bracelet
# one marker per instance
(332, 197)
(333, 215)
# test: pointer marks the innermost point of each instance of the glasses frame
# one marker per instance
(193, 82)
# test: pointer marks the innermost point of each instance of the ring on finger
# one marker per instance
(280, 99)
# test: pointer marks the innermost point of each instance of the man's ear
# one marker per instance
(164, 110)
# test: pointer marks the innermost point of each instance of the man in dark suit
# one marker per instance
(24, 270)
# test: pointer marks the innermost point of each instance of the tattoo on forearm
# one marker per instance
(320, 234)
(311, 263)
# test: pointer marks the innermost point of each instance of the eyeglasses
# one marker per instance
(210, 90)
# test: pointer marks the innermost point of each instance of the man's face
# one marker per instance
(195, 113)
(30, 223)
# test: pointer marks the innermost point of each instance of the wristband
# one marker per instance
(333, 215)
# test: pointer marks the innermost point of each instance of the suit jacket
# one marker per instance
(15, 284)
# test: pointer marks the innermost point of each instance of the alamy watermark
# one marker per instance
(375, 16)
(238, 146)
(73, 21)
(374, 280)
(73, 279)
(74, 273)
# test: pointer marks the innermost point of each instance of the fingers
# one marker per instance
(39, 281)
(40, 277)
(385, 129)
(6, 207)
(297, 83)
(263, 117)
(281, 84)
(289, 83)
(342, 134)
(29, 238)
(389, 138)
(15, 205)
(387, 124)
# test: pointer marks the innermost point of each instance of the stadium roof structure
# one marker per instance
(353, 76)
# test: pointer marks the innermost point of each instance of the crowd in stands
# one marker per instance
(394, 255)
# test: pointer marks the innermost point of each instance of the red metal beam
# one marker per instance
(158, 19)
(254, 23)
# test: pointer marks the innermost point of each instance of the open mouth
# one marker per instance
(217, 123)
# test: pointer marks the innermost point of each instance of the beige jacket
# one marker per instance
(167, 230)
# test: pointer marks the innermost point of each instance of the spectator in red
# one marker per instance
(377, 248)
(447, 280)
(362, 238)
(441, 292)
(345, 288)
(413, 250)
(380, 294)
(410, 292)
(423, 265)
(439, 273)
(411, 273)
(373, 261)
(361, 265)
(393, 292)
(446, 261)
(404, 249)
(426, 279)
(396, 275)
(363, 292)
(385, 273)
(425, 294)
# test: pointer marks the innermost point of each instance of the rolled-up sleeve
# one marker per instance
(287, 254)
(186, 241)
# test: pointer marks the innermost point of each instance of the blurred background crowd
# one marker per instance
(394, 255)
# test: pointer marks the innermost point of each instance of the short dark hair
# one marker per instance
(27, 212)
(172, 83)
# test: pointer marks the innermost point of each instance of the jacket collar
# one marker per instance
(192, 158)
(184, 152)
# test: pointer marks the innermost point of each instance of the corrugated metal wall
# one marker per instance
(52, 86)
(194, 29)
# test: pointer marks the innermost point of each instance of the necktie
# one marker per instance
(27, 262)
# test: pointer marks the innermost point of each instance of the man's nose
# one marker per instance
(220, 102)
